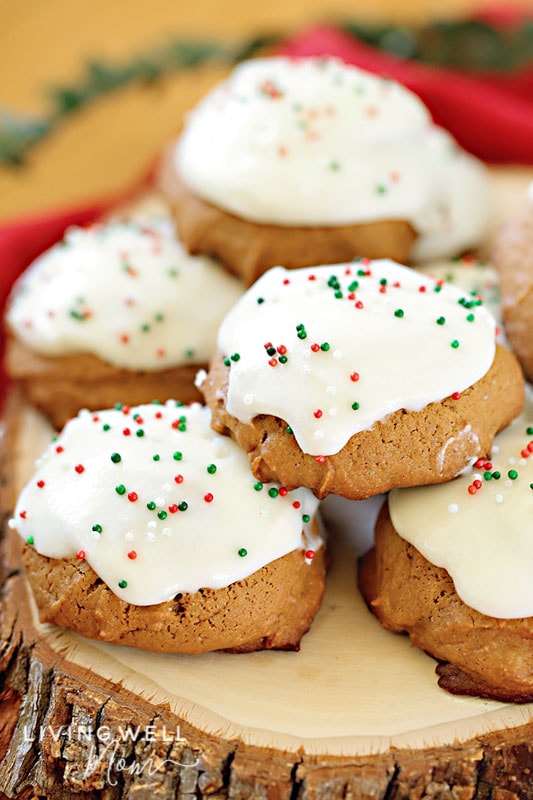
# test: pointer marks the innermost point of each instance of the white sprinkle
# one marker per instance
(453, 508)
(498, 498)
(166, 487)
(167, 531)
(129, 536)
(319, 434)
(332, 412)
(152, 525)
(12, 524)
(331, 391)
(150, 536)
(159, 501)
(511, 460)
(337, 354)
(248, 399)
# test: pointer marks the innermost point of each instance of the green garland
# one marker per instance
(470, 46)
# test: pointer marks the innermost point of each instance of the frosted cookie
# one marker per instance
(307, 161)
(513, 258)
(452, 567)
(144, 527)
(115, 312)
(356, 378)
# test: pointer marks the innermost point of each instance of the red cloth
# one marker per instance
(490, 115)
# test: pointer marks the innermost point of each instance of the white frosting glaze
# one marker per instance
(317, 142)
(232, 526)
(371, 338)
(476, 278)
(485, 539)
(126, 293)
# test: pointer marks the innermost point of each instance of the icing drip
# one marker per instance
(333, 349)
(158, 503)
(478, 526)
(315, 141)
(125, 292)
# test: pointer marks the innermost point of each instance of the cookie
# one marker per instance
(113, 312)
(306, 161)
(452, 568)
(142, 526)
(513, 258)
(358, 378)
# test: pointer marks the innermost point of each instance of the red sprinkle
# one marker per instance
(354, 377)
(40, 484)
(178, 479)
(173, 508)
(282, 350)
(79, 468)
(286, 281)
(315, 347)
(479, 463)
(296, 504)
(132, 555)
(359, 304)
(208, 497)
(273, 362)
(320, 459)
(283, 492)
(456, 396)
(80, 554)
(477, 483)
(310, 554)
(133, 496)
(126, 432)
(22, 514)
(472, 489)
(421, 288)
(317, 414)
(59, 449)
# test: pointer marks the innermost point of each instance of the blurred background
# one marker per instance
(91, 91)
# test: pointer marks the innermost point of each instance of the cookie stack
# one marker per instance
(339, 371)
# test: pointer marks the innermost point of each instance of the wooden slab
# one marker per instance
(356, 713)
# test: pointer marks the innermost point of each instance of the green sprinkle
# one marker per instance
(30, 540)
(325, 346)
(162, 514)
(383, 281)
(159, 317)
(98, 528)
(334, 166)
(260, 300)
(381, 188)
(118, 406)
(455, 344)
(183, 506)
(529, 431)
(189, 352)
(177, 455)
(531, 485)
(271, 351)
(355, 406)
(106, 427)
(470, 317)
(235, 357)
(227, 362)
(145, 328)
(77, 316)
(273, 492)
(399, 312)
(487, 476)
(139, 433)
(212, 468)
(288, 429)
(283, 359)
(437, 288)
(338, 294)
(302, 334)
(512, 474)
(258, 486)
(116, 458)
(441, 320)
(122, 584)
(353, 286)
(496, 475)
(242, 552)
(120, 489)
(150, 505)
(306, 518)
(156, 457)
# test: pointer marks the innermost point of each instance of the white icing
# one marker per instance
(317, 142)
(126, 293)
(175, 550)
(476, 278)
(484, 540)
(403, 361)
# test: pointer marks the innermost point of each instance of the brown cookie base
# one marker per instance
(404, 449)
(271, 609)
(248, 249)
(59, 387)
(481, 656)
(513, 258)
